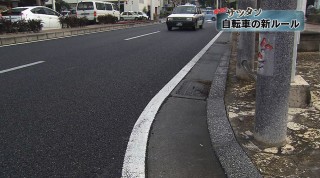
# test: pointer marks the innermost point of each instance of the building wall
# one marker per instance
(317, 4)
(135, 5)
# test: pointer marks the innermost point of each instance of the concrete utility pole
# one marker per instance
(273, 83)
(54, 4)
(38, 2)
(301, 6)
(119, 5)
(151, 9)
(246, 45)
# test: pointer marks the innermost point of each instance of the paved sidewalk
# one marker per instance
(188, 138)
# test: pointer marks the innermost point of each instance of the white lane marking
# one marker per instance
(69, 36)
(142, 36)
(134, 160)
(20, 67)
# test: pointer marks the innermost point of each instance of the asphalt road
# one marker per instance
(72, 115)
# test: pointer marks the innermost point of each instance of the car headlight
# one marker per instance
(189, 19)
(169, 19)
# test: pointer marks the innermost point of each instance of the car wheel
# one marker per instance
(136, 18)
(200, 26)
(121, 18)
(169, 28)
(194, 28)
(213, 19)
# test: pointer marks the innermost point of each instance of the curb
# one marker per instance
(233, 158)
(62, 33)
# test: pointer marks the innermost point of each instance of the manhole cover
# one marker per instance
(194, 89)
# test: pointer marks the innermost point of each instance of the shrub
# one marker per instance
(2, 29)
(6, 26)
(21, 26)
(107, 19)
(71, 22)
(35, 25)
(145, 9)
(83, 21)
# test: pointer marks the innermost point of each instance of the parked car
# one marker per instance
(185, 16)
(92, 9)
(143, 15)
(69, 13)
(49, 17)
(209, 15)
(130, 15)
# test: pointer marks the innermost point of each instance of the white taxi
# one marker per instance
(185, 16)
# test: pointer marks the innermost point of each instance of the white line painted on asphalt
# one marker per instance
(20, 67)
(142, 35)
(135, 157)
(69, 36)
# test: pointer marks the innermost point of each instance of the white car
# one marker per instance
(130, 15)
(185, 16)
(91, 9)
(143, 15)
(49, 17)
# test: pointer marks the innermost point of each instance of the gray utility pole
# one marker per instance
(54, 4)
(119, 6)
(273, 82)
(246, 45)
(38, 2)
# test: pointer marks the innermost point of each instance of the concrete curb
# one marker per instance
(233, 158)
(62, 33)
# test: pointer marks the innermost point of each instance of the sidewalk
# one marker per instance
(191, 135)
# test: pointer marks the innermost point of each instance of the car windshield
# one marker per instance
(85, 6)
(14, 11)
(184, 10)
(208, 12)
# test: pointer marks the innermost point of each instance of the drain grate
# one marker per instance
(194, 89)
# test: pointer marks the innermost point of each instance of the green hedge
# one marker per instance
(6, 26)
(72, 22)
(106, 19)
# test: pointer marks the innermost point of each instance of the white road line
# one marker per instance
(20, 67)
(141, 36)
(135, 157)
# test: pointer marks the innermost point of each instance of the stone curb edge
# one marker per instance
(28, 38)
(233, 158)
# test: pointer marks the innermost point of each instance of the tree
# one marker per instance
(62, 5)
